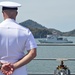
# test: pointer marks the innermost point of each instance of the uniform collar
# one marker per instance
(9, 19)
(6, 21)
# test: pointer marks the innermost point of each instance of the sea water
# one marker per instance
(48, 66)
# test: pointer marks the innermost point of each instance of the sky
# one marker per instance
(57, 14)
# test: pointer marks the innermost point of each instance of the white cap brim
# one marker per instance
(9, 4)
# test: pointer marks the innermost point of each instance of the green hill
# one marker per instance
(39, 30)
(32, 24)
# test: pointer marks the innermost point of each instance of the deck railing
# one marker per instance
(56, 44)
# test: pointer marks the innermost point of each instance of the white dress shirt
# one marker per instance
(14, 40)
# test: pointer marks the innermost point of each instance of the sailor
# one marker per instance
(15, 40)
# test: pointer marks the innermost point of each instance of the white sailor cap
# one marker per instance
(9, 5)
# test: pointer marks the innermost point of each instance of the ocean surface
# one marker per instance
(48, 66)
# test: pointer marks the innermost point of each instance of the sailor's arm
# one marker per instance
(26, 59)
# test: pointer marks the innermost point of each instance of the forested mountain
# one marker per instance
(39, 30)
(70, 33)
(32, 24)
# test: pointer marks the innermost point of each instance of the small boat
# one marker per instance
(54, 38)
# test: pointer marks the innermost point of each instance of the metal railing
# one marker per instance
(56, 44)
(45, 74)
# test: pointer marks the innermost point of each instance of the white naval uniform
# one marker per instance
(14, 40)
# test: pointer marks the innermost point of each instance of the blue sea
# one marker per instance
(48, 66)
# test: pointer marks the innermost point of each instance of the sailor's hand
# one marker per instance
(7, 69)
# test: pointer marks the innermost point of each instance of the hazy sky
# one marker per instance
(58, 14)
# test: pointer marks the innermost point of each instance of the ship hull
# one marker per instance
(50, 41)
